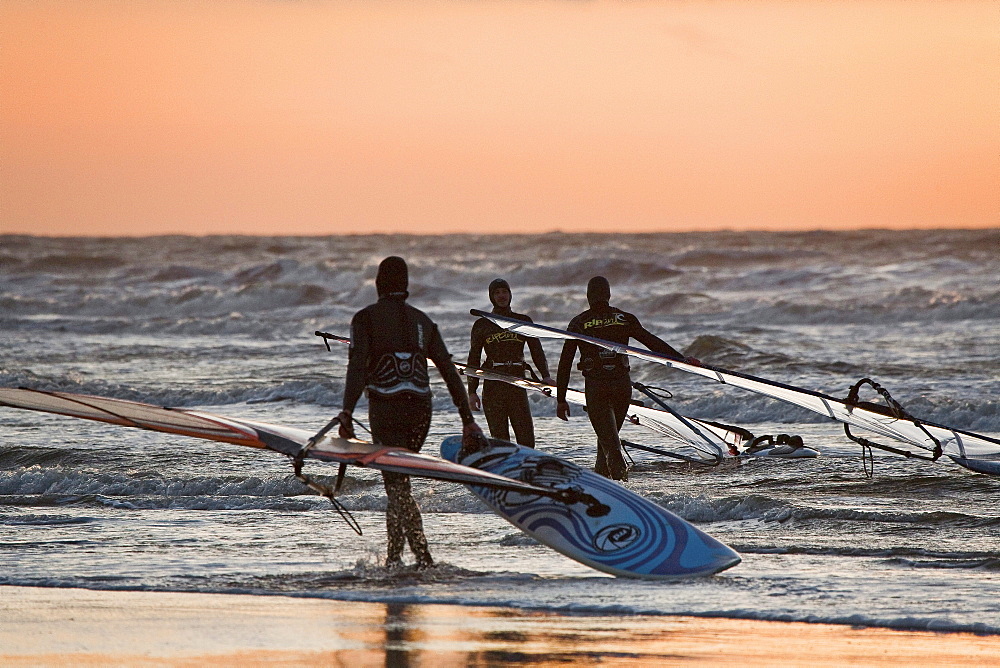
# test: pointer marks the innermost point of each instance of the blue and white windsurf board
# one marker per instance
(635, 539)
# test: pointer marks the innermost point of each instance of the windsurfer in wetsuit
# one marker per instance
(503, 402)
(608, 385)
(390, 344)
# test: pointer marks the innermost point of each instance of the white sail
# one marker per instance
(975, 451)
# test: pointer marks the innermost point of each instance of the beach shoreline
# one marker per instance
(82, 627)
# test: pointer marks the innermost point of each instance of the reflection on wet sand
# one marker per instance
(63, 627)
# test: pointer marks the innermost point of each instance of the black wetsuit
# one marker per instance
(390, 344)
(502, 402)
(607, 383)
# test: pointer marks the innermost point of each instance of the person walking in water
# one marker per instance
(503, 403)
(391, 342)
(607, 382)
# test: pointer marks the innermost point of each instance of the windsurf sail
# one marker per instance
(702, 444)
(924, 439)
(290, 441)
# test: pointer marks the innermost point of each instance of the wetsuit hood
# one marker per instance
(598, 291)
(498, 284)
(393, 277)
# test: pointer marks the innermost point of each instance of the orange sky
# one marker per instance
(324, 116)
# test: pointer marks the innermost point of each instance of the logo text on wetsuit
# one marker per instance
(616, 319)
(616, 537)
(504, 336)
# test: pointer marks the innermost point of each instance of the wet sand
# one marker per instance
(77, 627)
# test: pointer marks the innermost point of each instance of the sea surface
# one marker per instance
(225, 324)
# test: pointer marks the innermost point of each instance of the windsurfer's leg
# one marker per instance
(621, 399)
(520, 416)
(403, 522)
(402, 423)
(600, 410)
(611, 450)
(397, 491)
(496, 410)
(413, 523)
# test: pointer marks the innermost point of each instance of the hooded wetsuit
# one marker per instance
(390, 344)
(607, 383)
(504, 403)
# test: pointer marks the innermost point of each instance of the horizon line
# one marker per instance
(556, 232)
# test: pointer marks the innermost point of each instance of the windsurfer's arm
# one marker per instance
(538, 357)
(655, 343)
(357, 365)
(357, 371)
(438, 353)
(475, 358)
(562, 377)
(473, 438)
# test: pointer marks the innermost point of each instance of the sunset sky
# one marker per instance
(323, 116)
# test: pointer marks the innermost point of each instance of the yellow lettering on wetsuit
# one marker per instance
(618, 319)
(503, 336)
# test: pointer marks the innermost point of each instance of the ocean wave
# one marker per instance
(321, 391)
(868, 309)
(725, 352)
(961, 559)
(45, 520)
(139, 502)
(74, 263)
(180, 307)
(577, 272)
(983, 564)
(517, 540)
(58, 487)
(25, 457)
(980, 414)
(909, 623)
(13, 303)
(674, 304)
(177, 272)
(740, 408)
(84, 485)
(769, 509)
(740, 256)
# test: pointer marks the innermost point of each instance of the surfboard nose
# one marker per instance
(727, 558)
(705, 555)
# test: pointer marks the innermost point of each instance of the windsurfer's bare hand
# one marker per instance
(693, 361)
(562, 410)
(548, 380)
(474, 402)
(346, 425)
(473, 439)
